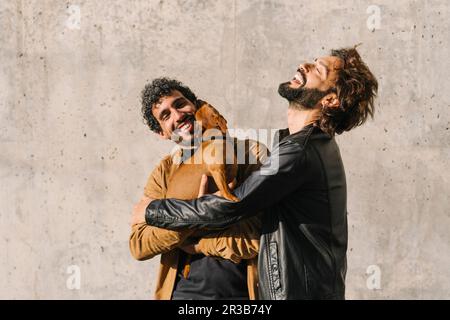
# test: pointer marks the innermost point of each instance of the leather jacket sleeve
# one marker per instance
(146, 241)
(276, 178)
(240, 241)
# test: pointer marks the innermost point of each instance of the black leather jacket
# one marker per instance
(304, 238)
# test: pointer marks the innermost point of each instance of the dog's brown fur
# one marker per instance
(215, 158)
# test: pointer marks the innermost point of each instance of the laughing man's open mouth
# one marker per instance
(186, 125)
(299, 78)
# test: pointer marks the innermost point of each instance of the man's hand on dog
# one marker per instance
(138, 215)
(203, 190)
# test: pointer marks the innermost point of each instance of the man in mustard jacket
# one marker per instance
(223, 264)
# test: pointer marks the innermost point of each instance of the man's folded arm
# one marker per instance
(238, 242)
(265, 187)
(147, 242)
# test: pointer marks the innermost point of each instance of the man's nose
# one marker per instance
(305, 67)
(177, 115)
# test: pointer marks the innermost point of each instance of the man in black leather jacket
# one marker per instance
(302, 187)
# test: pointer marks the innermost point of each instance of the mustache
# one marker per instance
(306, 97)
(189, 117)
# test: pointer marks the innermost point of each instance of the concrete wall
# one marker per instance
(75, 153)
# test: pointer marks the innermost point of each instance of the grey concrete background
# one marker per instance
(75, 154)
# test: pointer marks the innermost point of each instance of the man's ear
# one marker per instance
(331, 100)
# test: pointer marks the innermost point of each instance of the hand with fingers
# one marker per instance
(138, 214)
(193, 247)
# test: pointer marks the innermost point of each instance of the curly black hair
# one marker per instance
(157, 89)
(356, 89)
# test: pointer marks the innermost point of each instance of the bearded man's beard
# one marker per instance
(305, 97)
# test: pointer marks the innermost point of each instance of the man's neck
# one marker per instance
(299, 117)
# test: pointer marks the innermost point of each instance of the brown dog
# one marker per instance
(215, 158)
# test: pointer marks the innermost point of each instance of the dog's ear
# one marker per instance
(200, 103)
(204, 115)
(200, 112)
(218, 120)
(211, 118)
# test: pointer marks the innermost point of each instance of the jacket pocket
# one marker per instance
(274, 270)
